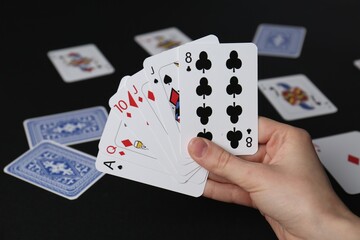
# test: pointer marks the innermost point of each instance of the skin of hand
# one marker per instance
(284, 180)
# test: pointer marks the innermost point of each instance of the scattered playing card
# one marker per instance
(279, 40)
(161, 40)
(80, 63)
(340, 154)
(295, 97)
(357, 63)
(56, 168)
(67, 128)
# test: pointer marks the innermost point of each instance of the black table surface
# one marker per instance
(115, 208)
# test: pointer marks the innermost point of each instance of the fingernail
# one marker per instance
(198, 147)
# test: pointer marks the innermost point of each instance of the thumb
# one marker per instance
(246, 174)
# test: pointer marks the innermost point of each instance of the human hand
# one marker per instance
(284, 180)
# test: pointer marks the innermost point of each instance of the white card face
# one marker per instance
(340, 154)
(357, 63)
(80, 63)
(134, 172)
(296, 97)
(120, 142)
(218, 85)
(132, 106)
(162, 72)
(158, 41)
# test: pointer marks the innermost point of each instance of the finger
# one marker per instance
(218, 161)
(226, 192)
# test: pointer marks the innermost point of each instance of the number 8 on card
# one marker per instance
(218, 85)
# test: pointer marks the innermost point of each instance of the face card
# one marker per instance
(140, 117)
(161, 40)
(162, 71)
(120, 142)
(340, 154)
(67, 128)
(357, 63)
(121, 145)
(296, 97)
(279, 40)
(219, 89)
(80, 63)
(56, 168)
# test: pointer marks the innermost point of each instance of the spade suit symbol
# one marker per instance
(234, 61)
(234, 136)
(203, 63)
(167, 79)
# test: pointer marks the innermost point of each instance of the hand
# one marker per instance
(284, 180)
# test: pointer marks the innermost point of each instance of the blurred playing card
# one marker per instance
(340, 154)
(296, 97)
(80, 63)
(161, 40)
(67, 128)
(357, 63)
(279, 40)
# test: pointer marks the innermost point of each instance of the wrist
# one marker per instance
(343, 225)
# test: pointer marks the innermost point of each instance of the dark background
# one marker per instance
(116, 208)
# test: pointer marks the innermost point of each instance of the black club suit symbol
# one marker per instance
(234, 112)
(204, 88)
(203, 63)
(234, 61)
(205, 134)
(204, 112)
(234, 136)
(234, 87)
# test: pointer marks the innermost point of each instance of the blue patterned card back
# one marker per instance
(279, 40)
(56, 168)
(67, 128)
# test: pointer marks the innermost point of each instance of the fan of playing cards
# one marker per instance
(146, 135)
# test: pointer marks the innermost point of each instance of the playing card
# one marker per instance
(162, 72)
(67, 128)
(80, 62)
(279, 40)
(140, 117)
(161, 40)
(296, 97)
(119, 141)
(357, 63)
(218, 85)
(120, 144)
(56, 168)
(340, 154)
(134, 172)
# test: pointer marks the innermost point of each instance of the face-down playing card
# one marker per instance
(296, 97)
(340, 154)
(219, 91)
(56, 168)
(72, 127)
(279, 40)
